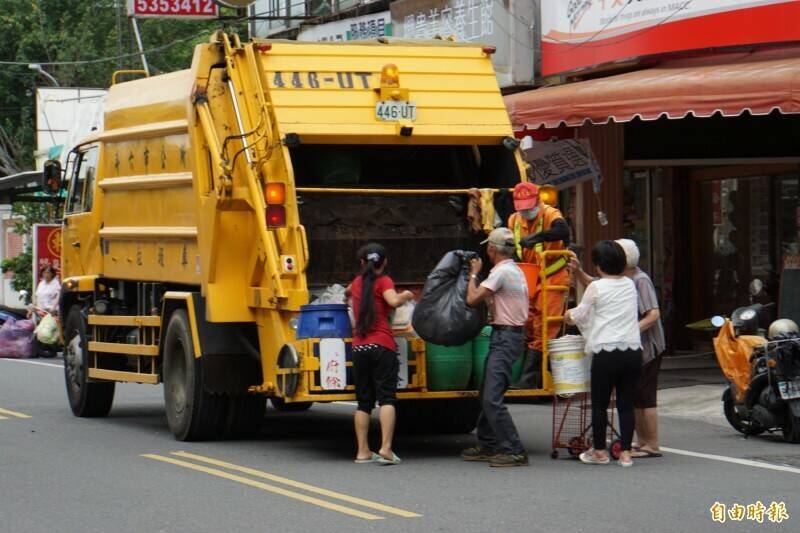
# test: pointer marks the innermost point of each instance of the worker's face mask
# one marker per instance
(529, 214)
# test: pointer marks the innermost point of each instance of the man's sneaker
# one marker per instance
(477, 453)
(509, 459)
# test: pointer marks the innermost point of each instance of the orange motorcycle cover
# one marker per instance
(733, 355)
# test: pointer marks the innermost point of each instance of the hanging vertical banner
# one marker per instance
(46, 249)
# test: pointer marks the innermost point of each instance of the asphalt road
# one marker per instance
(126, 473)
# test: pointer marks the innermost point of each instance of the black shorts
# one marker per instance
(647, 388)
(375, 371)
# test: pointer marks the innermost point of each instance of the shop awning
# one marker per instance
(756, 82)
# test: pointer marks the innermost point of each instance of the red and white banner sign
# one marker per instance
(183, 9)
(580, 34)
(46, 249)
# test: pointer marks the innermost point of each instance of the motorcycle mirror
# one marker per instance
(717, 321)
(756, 286)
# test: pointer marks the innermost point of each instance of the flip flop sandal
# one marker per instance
(373, 459)
(383, 461)
(644, 454)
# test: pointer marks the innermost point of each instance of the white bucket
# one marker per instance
(569, 365)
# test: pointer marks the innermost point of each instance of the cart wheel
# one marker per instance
(554, 454)
(575, 446)
(616, 449)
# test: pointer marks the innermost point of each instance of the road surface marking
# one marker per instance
(349, 404)
(735, 460)
(40, 363)
(299, 485)
(265, 487)
(3, 417)
(9, 412)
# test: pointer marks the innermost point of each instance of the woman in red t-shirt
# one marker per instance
(375, 363)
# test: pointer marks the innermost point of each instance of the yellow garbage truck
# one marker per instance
(217, 199)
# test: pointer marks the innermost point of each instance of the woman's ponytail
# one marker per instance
(373, 257)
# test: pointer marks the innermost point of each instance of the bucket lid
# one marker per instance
(323, 307)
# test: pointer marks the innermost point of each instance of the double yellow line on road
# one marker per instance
(5, 413)
(375, 506)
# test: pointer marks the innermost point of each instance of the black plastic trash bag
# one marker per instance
(442, 316)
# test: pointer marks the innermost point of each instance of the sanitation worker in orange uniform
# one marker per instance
(538, 227)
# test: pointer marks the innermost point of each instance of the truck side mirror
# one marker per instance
(51, 176)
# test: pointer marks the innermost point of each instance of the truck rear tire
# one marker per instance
(294, 407)
(192, 412)
(449, 416)
(87, 399)
(791, 427)
(245, 415)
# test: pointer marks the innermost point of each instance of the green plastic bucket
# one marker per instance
(448, 367)
(480, 351)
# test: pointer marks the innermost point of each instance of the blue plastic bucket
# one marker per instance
(324, 321)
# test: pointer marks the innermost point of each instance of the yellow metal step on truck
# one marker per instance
(216, 199)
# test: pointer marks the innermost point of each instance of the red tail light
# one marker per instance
(276, 216)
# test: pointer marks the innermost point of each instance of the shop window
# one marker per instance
(743, 229)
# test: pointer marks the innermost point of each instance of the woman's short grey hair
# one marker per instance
(631, 252)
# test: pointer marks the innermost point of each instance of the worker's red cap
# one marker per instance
(526, 196)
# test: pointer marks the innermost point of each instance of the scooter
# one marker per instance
(763, 373)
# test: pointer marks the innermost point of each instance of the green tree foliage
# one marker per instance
(39, 31)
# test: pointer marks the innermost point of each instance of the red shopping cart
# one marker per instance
(572, 425)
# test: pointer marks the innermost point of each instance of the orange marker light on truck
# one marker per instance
(390, 76)
(275, 193)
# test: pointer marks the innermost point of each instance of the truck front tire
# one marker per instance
(192, 412)
(87, 399)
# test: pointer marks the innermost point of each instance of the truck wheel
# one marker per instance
(192, 412)
(294, 407)
(245, 415)
(438, 416)
(791, 427)
(87, 399)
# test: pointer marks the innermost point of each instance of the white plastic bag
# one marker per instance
(47, 330)
(334, 294)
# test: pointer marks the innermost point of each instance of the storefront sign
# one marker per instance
(506, 25)
(46, 249)
(181, 9)
(352, 29)
(564, 163)
(580, 34)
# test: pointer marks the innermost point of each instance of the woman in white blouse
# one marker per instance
(48, 291)
(608, 318)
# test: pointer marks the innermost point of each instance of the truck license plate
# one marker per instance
(789, 390)
(394, 110)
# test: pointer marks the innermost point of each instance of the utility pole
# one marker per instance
(139, 43)
(118, 5)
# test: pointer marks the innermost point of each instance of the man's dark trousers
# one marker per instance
(496, 430)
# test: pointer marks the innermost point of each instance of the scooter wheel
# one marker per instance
(616, 449)
(554, 454)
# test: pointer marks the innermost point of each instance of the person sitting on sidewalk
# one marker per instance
(607, 317)
(507, 294)
(653, 345)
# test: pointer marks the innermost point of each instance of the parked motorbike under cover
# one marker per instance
(442, 315)
(733, 354)
(787, 354)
